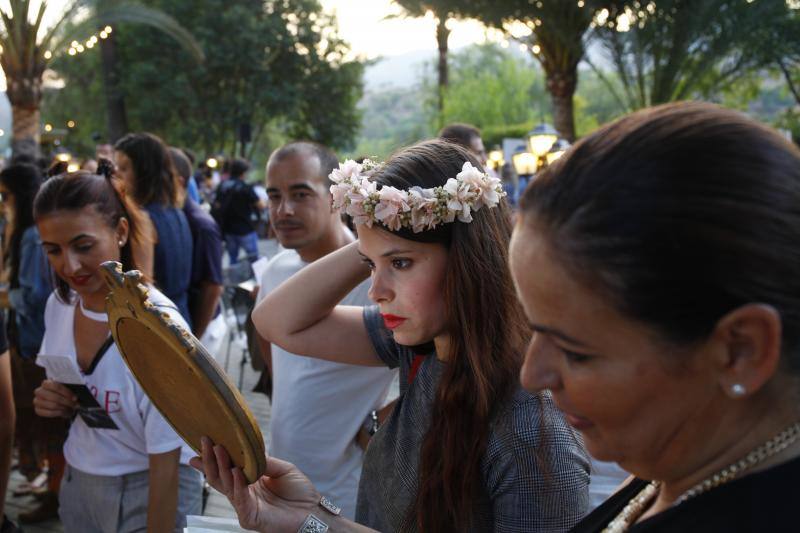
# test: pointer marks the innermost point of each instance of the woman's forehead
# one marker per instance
(375, 241)
(84, 220)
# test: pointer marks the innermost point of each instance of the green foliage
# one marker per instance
(557, 31)
(494, 135)
(490, 87)
(790, 120)
(493, 88)
(680, 49)
(391, 119)
(80, 100)
(275, 65)
(504, 94)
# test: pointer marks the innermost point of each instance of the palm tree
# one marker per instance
(557, 42)
(557, 34)
(24, 56)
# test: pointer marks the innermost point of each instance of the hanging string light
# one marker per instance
(76, 48)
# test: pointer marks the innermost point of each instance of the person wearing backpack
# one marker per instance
(236, 210)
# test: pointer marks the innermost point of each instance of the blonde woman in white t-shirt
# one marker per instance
(133, 477)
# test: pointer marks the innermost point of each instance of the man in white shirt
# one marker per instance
(318, 406)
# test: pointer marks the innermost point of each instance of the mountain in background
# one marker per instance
(397, 72)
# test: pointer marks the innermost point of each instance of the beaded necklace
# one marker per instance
(639, 504)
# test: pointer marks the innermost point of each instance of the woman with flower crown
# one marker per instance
(465, 448)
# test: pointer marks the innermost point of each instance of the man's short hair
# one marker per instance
(461, 134)
(328, 161)
(239, 167)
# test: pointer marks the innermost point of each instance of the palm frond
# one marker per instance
(69, 12)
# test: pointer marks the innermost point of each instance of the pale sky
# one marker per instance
(364, 25)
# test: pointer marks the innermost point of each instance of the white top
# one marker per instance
(142, 429)
(318, 406)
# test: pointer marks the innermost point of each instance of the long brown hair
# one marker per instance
(488, 335)
(77, 190)
(156, 179)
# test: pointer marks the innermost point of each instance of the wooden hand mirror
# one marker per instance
(179, 375)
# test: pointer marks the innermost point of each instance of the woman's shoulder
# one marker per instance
(532, 421)
(523, 408)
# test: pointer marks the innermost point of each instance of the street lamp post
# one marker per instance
(541, 139)
(557, 150)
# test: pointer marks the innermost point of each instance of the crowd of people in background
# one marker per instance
(634, 317)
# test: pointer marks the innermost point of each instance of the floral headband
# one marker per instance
(417, 208)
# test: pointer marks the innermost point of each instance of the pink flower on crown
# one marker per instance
(339, 192)
(358, 195)
(392, 203)
(346, 172)
(461, 198)
(423, 202)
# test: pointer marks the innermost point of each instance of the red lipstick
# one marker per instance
(392, 321)
(80, 281)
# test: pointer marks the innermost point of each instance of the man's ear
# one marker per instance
(748, 342)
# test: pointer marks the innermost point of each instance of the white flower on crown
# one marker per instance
(346, 171)
(419, 209)
(485, 186)
(462, 197)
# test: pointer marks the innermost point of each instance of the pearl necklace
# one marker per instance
(639, 504)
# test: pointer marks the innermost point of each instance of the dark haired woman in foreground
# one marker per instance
(465, 449)
(134, 476)
(659, 265)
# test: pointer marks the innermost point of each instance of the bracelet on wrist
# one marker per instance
(313, 523)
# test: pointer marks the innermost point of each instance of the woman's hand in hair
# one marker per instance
(53, 399)
(278, 501)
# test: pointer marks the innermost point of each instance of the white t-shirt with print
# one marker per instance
(142, 429)
(318, 406)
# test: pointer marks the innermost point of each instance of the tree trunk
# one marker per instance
(442, 35)
(561, 86)
(25, 137)
(24, 90)
(116, 116)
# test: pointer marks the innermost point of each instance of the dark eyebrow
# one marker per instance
(301, 187)
(77, 238)
(272, 189)
(555, 333)
(394, 251)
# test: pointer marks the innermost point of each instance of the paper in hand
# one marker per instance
(64, 370)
